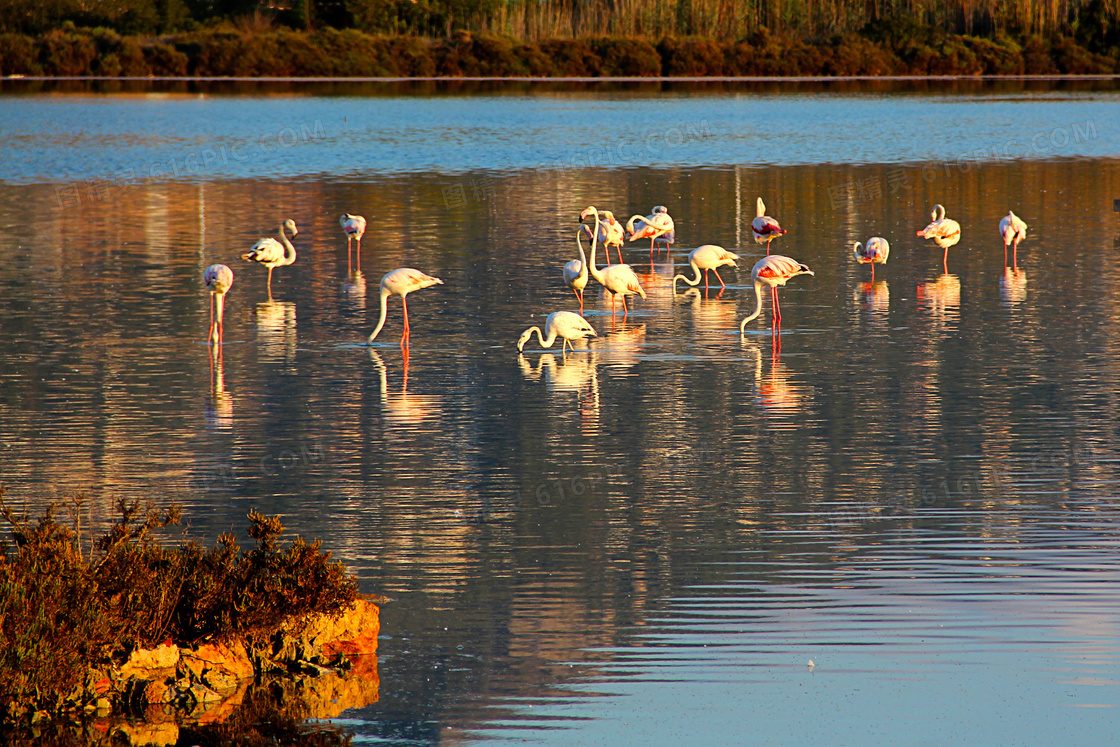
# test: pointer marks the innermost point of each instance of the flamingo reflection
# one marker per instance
(576, 375)
(710, 315)
(942, 297)
(403, 408)
(219, 403)
(778, 398)
(276, 330)
(874, 297)
(354, 290)
(1013, 286)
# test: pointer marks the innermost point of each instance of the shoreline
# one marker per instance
(568, 79)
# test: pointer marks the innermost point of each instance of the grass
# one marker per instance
(69, 602)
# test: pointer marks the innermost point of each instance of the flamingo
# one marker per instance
(218, 280)
(354, 226)
(575, 272)
(657, 226)
(609, 232)
(401, 282)
(272, 253)
(875, 252)
(566, 325)
(765, 228)
(619, 280)
(1013, 230)
(945, 232)
(707, 257)
(772, 270)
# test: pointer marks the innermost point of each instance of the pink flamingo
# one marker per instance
(1013, 230)
(707, 257)
(401, 282)
(765, 228)
(772, 270)
(354, 226)
(874, 252)
(945, 232)
(657, 226)
(566, 325)
(218, 280)
(619, 280)
(272, 253)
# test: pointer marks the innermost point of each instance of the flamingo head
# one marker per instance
(290, 225)
(760, 208)
(660, 209)
(937, 213)
(586, 212)
(524, 339)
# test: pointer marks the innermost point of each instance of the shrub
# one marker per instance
(62, 611)
(625, 57)
(18, 55)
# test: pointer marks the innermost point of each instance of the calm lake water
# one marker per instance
(646, 541)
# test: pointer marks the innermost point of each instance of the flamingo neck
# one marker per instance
(757, 308)
(385, 293)
(546, 342)
(695, 281)
(289, 250)
(582, 258)
(592, 268)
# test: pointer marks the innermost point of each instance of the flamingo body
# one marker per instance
(773, 270)
(765, 228)
(657, 226)
(566, 325)
(609, 232)
(401, 282)
(1013, 230)
(218, 280)
(619, 280)
(707, 257)
(874, 252)
(354, 226)
(944, 231)
(272, 253)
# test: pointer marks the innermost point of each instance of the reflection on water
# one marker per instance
(276, 332)
(670, 510)
(1013, 286)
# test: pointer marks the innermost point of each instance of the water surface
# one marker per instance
(651, 538)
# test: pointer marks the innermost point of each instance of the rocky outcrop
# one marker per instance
(328, 660)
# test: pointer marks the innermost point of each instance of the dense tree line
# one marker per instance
(1094, 24)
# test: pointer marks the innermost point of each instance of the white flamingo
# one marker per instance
(657, 226)
(354, 226)
(619, 280)
(1013, 230)
(272, 253)
(401, 282)
(772, 270)
(945, 232)
(765, 228)
(218, 280)
(875, 252)
(575, 272)
(707, 257)
(567, 325)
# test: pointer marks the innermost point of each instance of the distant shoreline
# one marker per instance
(572, 79)
(329, 55)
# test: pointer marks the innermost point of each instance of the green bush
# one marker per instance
(19, 55)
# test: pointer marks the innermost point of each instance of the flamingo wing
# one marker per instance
(265, 251)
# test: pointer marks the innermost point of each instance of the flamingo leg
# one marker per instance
(872, 272)
(625, 308)
(705, 282)
(407, 329)
(269, 283)
(210, 338)
(768, 246)
(775, 307)
(1014, 254)
(945, 261)
(359, 257)
(722, 284)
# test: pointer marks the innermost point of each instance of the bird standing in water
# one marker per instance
(272, 253)
(218, 280)
(401, 282)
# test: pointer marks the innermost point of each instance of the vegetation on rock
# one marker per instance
(64, 610)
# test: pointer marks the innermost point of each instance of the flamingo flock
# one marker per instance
(618, 280)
